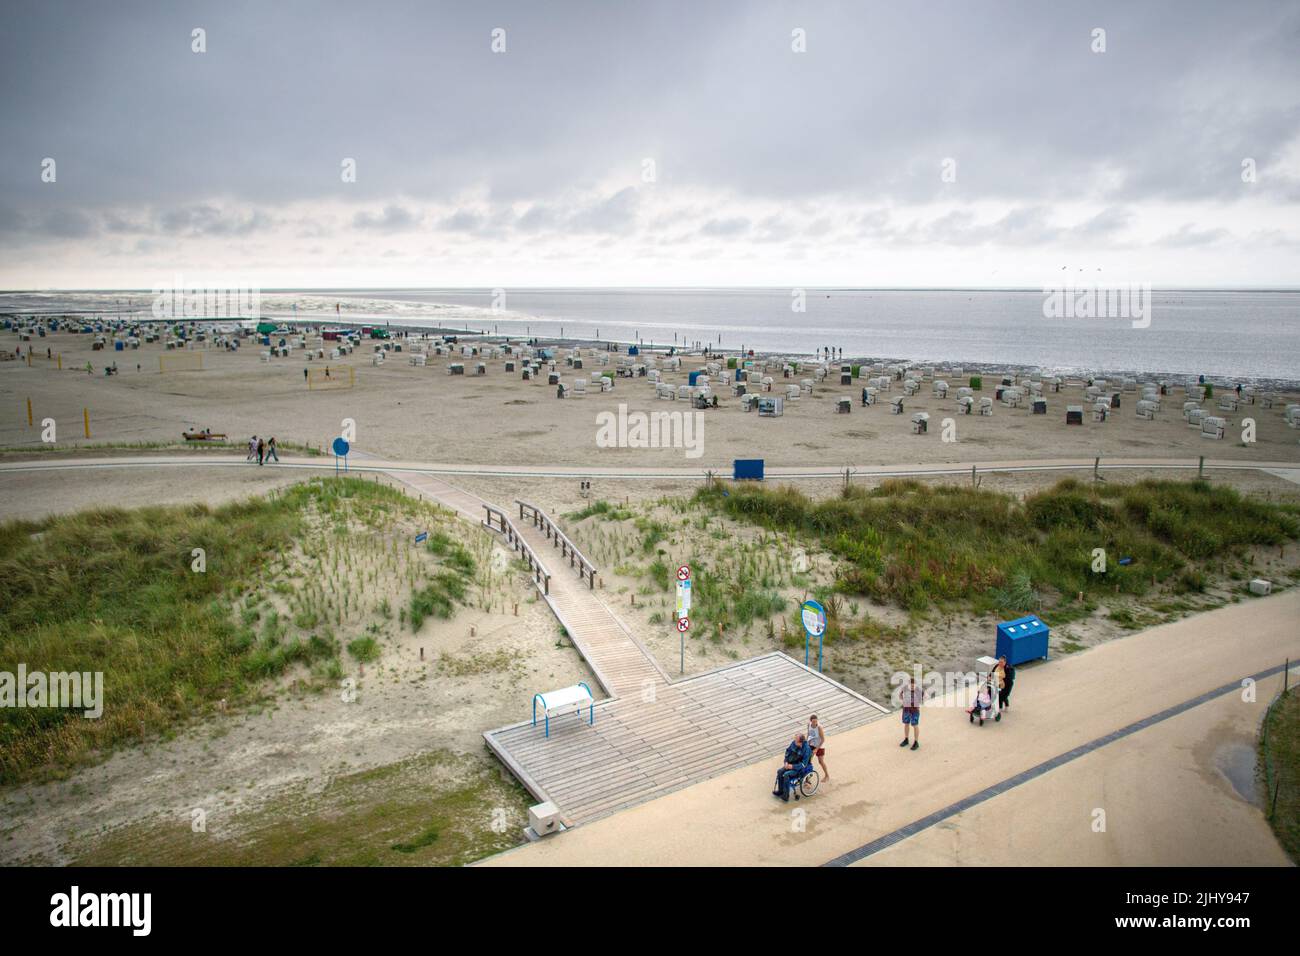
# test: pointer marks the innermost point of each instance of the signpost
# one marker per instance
(683, 607)
(422, 537)
(341, 449)
(813, 616)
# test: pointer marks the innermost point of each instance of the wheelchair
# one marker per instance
(806, 779)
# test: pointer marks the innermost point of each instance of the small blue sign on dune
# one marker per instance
(747, 469)
(422, 537)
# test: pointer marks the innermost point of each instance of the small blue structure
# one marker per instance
(119, 346)
(1024, 639)
(692, 377)
(747, 469)
(633, 350)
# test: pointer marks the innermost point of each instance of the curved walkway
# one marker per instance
(1180, 817)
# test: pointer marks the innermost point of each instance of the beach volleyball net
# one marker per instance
(180, 362)
(336, 377)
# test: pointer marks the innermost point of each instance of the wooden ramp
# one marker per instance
(652, 735)
(646, 744)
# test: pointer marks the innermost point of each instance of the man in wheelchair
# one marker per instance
(798, 762)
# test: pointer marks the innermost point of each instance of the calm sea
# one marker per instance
(1251, 335)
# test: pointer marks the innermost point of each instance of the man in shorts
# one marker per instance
(911, 713)
(817, 741)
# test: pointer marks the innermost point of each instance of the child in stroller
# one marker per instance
(985, 704)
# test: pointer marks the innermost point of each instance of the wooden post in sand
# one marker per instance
(85, 416)
(29, 413)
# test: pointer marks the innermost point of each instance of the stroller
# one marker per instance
(986, 703)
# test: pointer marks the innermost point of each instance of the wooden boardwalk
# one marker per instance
(651, 735)
(647, 744)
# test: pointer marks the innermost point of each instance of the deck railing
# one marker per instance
(496, 520)
(542, 521)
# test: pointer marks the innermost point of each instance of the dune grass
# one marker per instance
(1280, 756)
(115, 591)
(917, 545)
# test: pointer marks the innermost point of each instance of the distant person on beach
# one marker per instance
(797, 755)
(817, 741)
(304, 375)
(261, 451)
(252, 448)
(912, 713)
(271, 452)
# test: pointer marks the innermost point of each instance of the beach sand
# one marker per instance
(424, 414)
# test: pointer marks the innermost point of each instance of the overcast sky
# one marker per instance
(649, 143)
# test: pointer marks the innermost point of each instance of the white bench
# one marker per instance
(563, 701)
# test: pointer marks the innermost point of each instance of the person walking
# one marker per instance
(252, 448)
(261, 451)
(1008, 681)
(911, 713)
(817, 741)
(271, 451)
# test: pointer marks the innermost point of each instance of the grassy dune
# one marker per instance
(115, 591)
(1280, 755)
(436, 809)
(919, 546)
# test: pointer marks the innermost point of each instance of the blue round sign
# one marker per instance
(341, 447)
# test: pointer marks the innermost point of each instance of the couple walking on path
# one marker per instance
(263, 451)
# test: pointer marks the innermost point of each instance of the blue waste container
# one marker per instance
(747, 469)
(1024, 639)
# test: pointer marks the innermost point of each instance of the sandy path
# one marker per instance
(879, 787)
(1205, 755)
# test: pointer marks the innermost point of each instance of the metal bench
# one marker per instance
(562, 701)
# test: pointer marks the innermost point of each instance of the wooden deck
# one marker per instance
(651, 735)
(643, 746)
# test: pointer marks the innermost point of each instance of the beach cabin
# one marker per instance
(965, 404)
(1011, 397)
(1227, 402)
(911, 386)
(579, 388)
(767, 383)
(792, 393)
(1146, 410)
(770, 407)
(846, 374)
(843, 406)
(1100, 410)
(920, 423)
(896, 405)
(748, 402)
(940, 388)
(1188, 408)
(1212, 426)
(455, 368)
(1074, 414)
(1195, 417)
(868, 396)
(665, 392)
(986, 406)
(552, 377)
(965, 392)
(1024, 639)
(1040, 406)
